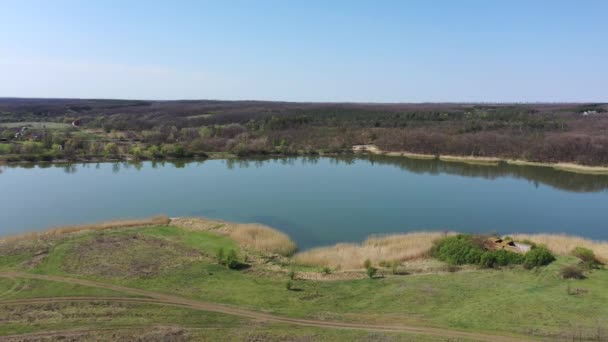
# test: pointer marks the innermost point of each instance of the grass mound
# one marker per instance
(250, 236)
(126, 255)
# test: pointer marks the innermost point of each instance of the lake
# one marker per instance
(316, 200)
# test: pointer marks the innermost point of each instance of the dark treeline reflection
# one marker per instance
(562, 180)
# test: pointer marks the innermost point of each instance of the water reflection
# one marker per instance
(557, 179)
(563, 180)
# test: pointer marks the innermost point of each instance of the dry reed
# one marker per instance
(57, 231)
(396, 247)
(251, 236)
(564, 244)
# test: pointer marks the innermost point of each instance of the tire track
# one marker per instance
(165, 299)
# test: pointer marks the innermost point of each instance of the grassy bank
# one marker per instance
(181, 259)
(58, 231)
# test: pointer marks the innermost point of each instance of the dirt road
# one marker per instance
(165, 299)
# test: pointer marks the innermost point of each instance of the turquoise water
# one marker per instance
(317, 201)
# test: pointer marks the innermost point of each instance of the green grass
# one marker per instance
(152, 320)
(206, 242)
(509, 300)
(5, 148)
(21, 288)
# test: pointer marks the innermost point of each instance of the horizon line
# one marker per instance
(309, 102)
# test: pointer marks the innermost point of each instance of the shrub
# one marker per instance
(585, 254)
(587, 257)
(367, 264)
(539, 256)
(326, 270)
(220, 256)
(572, 272)
(371, 272)
(504, 258)
(289, 285)
(291, 274)
(488, 260)
(468, 249)
(395, 267)
(232, 261)
(457, 250)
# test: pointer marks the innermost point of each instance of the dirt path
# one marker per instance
(164, 299)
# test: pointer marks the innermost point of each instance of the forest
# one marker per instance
(79, 129)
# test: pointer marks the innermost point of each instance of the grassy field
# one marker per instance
(182, 261)
(107, 320)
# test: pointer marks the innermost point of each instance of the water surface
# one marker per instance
(317, 201)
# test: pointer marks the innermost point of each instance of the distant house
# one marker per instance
(589, 112)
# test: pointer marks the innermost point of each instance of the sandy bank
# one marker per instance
(489, 161)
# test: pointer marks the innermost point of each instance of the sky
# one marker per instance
(321, 51)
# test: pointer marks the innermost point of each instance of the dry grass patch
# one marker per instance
(564, 244)
(130, 255)
(397, 247)
(249, 236)
(57, 231)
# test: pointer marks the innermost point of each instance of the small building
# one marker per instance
(497, 243)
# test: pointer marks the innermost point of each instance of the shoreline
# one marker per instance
(356, 149)
(187, 221)
(209, 156)
(485, 161)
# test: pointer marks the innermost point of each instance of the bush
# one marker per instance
(587, 257)
(291, 274)
(488, 260)
(539, 256)
(289, 285)
(395, 267)
(504, 258)
(326, 270)
(367, 264)
(468, 249)
(572, 272)
(457, 250)
(371, 272)
(585, 254)
(220, 256)
(232, 260)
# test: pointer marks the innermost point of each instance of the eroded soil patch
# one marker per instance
(130, 255)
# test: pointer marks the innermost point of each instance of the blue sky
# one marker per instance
(361, 51)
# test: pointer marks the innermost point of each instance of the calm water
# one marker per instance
(317, 201)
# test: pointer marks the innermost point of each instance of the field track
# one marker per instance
(164, 299)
